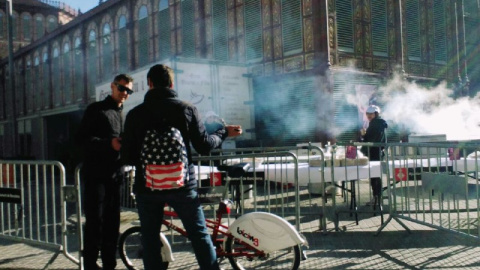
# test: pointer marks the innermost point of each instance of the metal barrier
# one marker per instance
(33, 203)
(434, 184)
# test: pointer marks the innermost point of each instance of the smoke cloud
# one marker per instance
(423, 110)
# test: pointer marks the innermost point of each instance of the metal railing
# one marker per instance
(33, 203)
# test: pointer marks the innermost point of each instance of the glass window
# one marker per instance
(57, 95)
(78, 71)
(143, 36)
(164, 29)
(39, 27)
(36, 88)
(122, 54)
(163, 5)
(27, 33)
(28, 86)
(66, 72)
(107, 57)
(52, 24)
(45, 80)
(92, 61)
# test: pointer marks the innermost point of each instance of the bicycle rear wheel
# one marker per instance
(131, 250)
(288, 258)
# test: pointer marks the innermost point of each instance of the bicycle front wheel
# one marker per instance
(288, 258)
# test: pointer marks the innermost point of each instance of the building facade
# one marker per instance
(303, 57)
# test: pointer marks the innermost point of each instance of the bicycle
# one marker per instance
(256, 240)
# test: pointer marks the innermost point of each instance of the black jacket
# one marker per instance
(101, 122)
(375, 133)
(164, 104)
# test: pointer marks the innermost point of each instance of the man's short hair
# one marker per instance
(124, 77)
(160, 76)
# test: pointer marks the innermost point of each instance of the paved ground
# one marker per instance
(353, 247)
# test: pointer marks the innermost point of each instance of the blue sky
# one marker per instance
(83, 5)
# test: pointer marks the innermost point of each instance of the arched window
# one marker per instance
(78, 71)
(57, 95)
(45, 80)
(142, 30)
(39, 27)
(163, 18)
(28, 86)
(122, 57)
(107, 57)
(27, 27)
(51, 24)
(92, 55)
(67, 73)
(36, 102)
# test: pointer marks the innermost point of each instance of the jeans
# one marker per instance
(186, 204)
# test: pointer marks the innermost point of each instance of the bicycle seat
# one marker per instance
(236, 170)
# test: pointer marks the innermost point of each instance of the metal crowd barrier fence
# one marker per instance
(434, 184)
(280, 180)
(33, 203)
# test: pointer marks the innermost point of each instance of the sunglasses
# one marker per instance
(122, 88)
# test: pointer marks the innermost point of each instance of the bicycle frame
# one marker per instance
(218, 229)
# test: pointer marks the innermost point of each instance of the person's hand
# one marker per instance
(363, 131)
(234, 130)
(116, 144)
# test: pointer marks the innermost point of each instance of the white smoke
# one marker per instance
(433, 110)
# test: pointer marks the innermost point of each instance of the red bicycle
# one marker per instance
(257, 240)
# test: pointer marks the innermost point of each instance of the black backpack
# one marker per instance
(164, 158)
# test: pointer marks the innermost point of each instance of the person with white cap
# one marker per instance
(375, 133)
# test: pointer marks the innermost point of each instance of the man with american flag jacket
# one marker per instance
(162, 105)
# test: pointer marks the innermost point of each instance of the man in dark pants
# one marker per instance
(375, 133)
(161, 105)
(99, 137)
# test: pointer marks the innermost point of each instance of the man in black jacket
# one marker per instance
(99, 137)
(375, 133)
(161, 105)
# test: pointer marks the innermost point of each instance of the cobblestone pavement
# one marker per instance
(352, 247)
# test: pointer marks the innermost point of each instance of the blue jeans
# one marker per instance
(186, 204)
